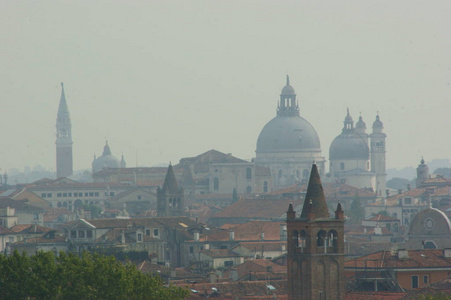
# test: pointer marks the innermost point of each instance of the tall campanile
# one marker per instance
(315, 247)
(64, 163)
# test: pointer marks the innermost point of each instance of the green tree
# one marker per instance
(356, 211)
(68, 276)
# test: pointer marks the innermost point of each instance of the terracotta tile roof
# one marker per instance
(140, 170)
(42, 240)
(240, 290)
(31, 228)
(414, 193)
(172, 222)
(255, 208)
(369, 231)
(388, 259)
(437, 179)
(219, 253)
(342, 190)
(264, 245)
(442, 287)
(250, 231)
(19, 205)
(4, 230)
(374, 296)
(201, 163)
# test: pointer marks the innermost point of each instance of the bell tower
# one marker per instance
(64, 163)
(315, 247)
(170, 201)
(377, 140)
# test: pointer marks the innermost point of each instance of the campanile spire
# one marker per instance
(64, 163)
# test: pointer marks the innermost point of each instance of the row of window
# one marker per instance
(76, 194)
(81, 234)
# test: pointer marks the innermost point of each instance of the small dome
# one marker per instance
(288, 90)
(378, 124)
(360, 124)
(288, 134)
(430, 222)
(349, 146)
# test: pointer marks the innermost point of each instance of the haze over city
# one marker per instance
(165, 80)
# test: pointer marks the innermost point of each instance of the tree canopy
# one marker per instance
(69, 276)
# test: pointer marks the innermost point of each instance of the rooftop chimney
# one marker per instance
(403, 254)
(231, 235)
(447, 252)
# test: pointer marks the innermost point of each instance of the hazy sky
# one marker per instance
(163, 80)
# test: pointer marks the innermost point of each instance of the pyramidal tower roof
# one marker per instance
(315, 201)
(63, 110)
(170, 183)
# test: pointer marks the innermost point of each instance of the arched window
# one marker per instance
(248, 173)
(302, 239)
(216, 184)
(321, 238)
(333, 240)
(265, 186)
(295, 238)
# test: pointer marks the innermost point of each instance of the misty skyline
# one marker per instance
(166, 80)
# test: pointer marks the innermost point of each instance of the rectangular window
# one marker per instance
(49, 195)
(64, 194)
(140, 237)
(91, 194)
(58, 195)
(155, 232)
(81, 233)
(70, 195)
(43, 195)
(89, 233)
(415, 281)
(86, 194)
(147, 231)
(139, 197)
(191, 249)
(73, 234)
(228, 263)
(425, 279)
(96, 194)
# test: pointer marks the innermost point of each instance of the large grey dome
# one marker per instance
(288, 134)
(349, 146)
(106, 161)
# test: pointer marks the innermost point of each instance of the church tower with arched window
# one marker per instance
(64, 163)
(315, 247)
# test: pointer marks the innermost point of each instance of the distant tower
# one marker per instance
(123, 163)
(377, 139)
(64, 163)
(315, 247)
(422, 173)
(170, 201)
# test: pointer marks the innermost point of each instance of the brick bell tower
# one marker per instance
(315, 247)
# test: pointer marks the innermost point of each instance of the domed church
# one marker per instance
(107, 160)
(288, 144)
(357, 158)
